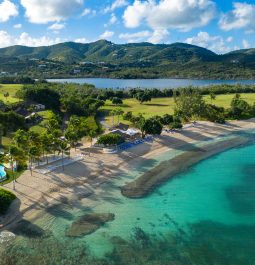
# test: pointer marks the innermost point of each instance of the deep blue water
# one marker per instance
(149, 83)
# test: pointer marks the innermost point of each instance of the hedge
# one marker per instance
(6, 198)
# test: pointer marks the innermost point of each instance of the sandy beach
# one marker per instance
(84, 178)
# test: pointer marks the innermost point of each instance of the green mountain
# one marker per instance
(105, 59)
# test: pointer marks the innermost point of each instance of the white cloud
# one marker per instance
(112, 21)
(242, 16)
(213, 43)
(135, 37)
(155, 36)
(56, 26)
(25, 39)
(43, 12)
(246, 44)
(5, 39)
(230, 39)
(86, 12)
(106, 35)
(183, 15)
(158, 35)
(116, 4)
(81, 40)
(17, 26)
(7, 10)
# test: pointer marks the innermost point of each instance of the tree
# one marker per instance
(176, 124)
(15, 155)
(64, 149)
(1, 134)
(128, 116)
(212, 96)
(21, 139)
(46, 140)
(2, 158)
(239, 108)
(92, 134)
(214, 113)
(189, 103)
(33, 154)
(166, 119)
(143, 96)
(6, 95)
(72, 136)
(117, 101)
(113, 113)
(119, 112)
(151, 126)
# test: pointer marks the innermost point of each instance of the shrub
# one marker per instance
(176, 125)
(110, 139)
(6, 198)
(117, 101)
(128, 116)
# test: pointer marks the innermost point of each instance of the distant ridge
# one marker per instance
(127, 60)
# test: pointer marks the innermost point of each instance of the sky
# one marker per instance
(219, 25)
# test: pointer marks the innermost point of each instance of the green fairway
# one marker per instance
(225, 100)
(11, 89)
(161, 106)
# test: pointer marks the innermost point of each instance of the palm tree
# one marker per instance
(72, 135)
(64, 149)
(15, 155)
(6, 95)
(1, 134)
(113, 112)
(2, 158)
(34, 154)
(119, 112)
(46, 143)
(91, 134)
(212, 96)
(21, 138)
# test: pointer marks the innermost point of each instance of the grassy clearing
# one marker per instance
(11, 89)
(40, 128)
(161, 106)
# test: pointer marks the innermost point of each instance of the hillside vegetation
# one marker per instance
(145, 60)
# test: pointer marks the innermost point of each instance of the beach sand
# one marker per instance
(84, 178)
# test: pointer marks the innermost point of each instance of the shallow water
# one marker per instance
(205, 215)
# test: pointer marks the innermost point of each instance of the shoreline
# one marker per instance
(84, 179)
(167, 170)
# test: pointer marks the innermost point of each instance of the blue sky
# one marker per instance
(219, 25)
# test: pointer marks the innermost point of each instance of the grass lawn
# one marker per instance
(40, 128)
(161, 106)
(11, 89)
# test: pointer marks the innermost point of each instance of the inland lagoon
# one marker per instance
(203, 215)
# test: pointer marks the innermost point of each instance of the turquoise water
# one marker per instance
(2, 173)
(205, 215)
(149, 83)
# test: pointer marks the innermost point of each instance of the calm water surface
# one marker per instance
(149, 83)
(205, 216)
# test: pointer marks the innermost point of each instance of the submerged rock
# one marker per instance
(88, 224)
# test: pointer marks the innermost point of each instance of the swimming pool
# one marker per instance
(2, 173)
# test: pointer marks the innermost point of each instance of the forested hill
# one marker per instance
(106, 59)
